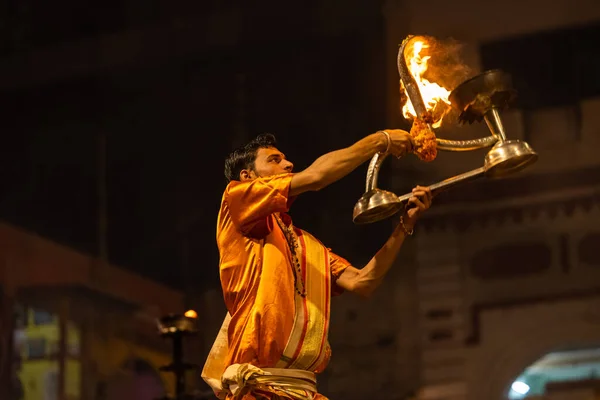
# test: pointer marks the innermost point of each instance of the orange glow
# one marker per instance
(434, 96)
(191, 314)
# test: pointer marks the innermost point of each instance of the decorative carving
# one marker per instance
(579, 191)
(463, 219)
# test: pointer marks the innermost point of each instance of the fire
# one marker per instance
(434, 96)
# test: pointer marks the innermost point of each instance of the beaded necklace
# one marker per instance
(292, 241)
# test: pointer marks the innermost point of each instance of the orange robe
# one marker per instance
(257, 275)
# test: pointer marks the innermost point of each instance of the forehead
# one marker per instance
(265, 152)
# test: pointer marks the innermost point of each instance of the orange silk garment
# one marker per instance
(256, 270)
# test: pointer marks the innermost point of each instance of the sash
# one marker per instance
(215, 362)
(307, 345)
(294, 384)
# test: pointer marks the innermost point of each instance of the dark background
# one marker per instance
(164, 121)
(162, 91)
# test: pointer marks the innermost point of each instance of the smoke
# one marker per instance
(447, 68)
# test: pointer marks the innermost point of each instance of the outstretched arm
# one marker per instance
(334, 165)
(364, 281)
(251, 201)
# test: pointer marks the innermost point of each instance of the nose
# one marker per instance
(288, 166)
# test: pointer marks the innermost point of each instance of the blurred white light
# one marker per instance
(520, 387)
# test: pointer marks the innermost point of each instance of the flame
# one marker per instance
(191, 314)
(434, 96)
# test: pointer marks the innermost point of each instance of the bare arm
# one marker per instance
(336, 164)
(364, 281)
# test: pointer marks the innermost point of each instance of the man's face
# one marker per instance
(269, 161)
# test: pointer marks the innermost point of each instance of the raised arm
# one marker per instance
(334, 165)
(250, 201)
(364, 281)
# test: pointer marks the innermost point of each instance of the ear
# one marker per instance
(247, 175)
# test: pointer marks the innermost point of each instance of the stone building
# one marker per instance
(504, 283)
(73, 327)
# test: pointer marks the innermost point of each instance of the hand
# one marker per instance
(400, 143)
(419, 202)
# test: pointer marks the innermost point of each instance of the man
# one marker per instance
(277, 280)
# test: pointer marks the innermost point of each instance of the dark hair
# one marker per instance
(244, 157)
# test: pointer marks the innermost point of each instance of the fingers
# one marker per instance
(398, 153)
(415, 202)
(404, 148)
(424, 195)
(403, 145)
(423, 189)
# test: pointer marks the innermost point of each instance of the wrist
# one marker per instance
(406, 225)
(380, 141)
